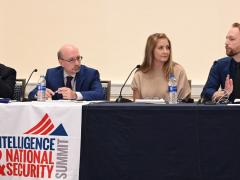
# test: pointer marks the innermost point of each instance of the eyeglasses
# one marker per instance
(73, 59)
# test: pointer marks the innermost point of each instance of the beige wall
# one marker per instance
(111, 34)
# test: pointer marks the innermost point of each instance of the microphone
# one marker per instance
(120, 99)
(24, 88)
(206, 101)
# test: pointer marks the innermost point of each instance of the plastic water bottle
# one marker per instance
(41, 93)
(172, 89)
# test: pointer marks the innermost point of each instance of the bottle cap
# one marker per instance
(171, 75)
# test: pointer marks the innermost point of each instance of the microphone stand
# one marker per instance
(24, 88)
(120, 99)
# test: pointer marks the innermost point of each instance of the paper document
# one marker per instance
(153, 101)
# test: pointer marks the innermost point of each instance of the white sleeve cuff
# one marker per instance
(79, 96)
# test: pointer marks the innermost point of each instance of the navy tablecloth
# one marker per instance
(134, 141)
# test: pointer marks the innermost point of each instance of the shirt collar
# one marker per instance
(65, 75)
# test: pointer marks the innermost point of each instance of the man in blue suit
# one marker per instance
(71, 80)
(226, 71)
(7, 81)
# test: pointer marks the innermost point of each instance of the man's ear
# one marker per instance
(60, 62)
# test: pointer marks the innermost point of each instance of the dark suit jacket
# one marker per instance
(217, 76)
(7, 81)
(87, 83)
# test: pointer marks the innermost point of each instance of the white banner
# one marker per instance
(40, 140)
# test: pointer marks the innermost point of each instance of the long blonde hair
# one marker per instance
(149, 55)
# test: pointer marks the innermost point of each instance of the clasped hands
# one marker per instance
(67, 93)
(226, 91)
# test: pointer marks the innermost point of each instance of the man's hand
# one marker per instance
(67, 93)
(228, 85)
(228, 89)
(49, 93)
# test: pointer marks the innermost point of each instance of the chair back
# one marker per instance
(106, 89)
(19, 90)
(190, 83)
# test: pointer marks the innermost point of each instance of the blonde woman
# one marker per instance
(151, 80)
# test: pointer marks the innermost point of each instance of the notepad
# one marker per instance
(153, 101)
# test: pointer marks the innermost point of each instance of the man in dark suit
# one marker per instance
(226, 71)
(71, 80)
(7, 81)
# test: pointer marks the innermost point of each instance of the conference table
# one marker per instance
(120, 141)
(141, 141)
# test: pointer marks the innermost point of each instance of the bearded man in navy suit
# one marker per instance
(71, 80)
(225, 72)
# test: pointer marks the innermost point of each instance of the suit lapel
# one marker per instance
(60, 80)
(80, 79)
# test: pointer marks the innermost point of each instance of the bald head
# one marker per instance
(69, 58)
(65, 50)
